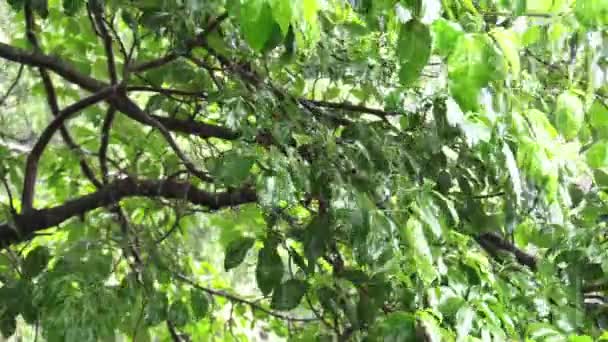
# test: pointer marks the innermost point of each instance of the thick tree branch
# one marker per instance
(61, 68)
(352, 108)
(35, 59)
(494, 243)
(31, 167)
(27, 223)
(125, 105)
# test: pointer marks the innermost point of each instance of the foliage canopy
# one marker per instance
(413, 170)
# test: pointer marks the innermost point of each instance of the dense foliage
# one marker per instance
(413, 170)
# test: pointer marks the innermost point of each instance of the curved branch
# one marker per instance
(34, 220)
(31, 167)
(35, 59)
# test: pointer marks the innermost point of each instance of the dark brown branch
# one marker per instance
(34, 156)
(494, 243)
(351, 108)
(98, 17)
(168, 91)
(40, 60)
(199, 129)
(34, 220)
(240, 300)
(125, 105)
(105, 140)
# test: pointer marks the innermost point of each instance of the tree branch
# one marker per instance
(98, 17)
(31, 167)
(51, 97)
(35, 59)
(27, 223)
(171, 56)
(493, 243)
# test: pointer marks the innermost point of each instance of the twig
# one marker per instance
(240, 300)
(13, 85)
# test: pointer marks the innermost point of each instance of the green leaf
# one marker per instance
(234, 168)
(569, 115)
(414, 236)
(16, 5)
(256, 22)
(269, 270)
(445, 36)
(178, 314)
(397, 326)
(36, 261)
(199, 302)
(413, 50)
(598, 118)
(236, 251)
(592, 13)
(41, 7)
(288, 294)
(544, 332)
(471, 66)
(514, 175)
(597, 155)
(71, 7)
(156, 310)
(510, 46)
(464, 321)
(8, 325)
(281, 12)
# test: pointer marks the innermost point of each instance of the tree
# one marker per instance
(414, 170)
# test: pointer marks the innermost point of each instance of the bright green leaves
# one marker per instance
(36, 261)
(509, 44)
(445, 36)
(256, 23)
(282, 12)
(413, 50)
(597, 155)
(417, 242)
(269, 270)
(264, 23)
(598, 118)
(471, 66)
(592, 13)
(569, 115)
(288, 295)
(538, 163)
(236, 251)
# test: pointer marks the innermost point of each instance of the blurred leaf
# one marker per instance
(269, 270)
(36, 261)
(413, 50)
(288, 295)
(236, 251)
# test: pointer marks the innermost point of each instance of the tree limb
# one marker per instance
(27, 223)
(31, 167)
